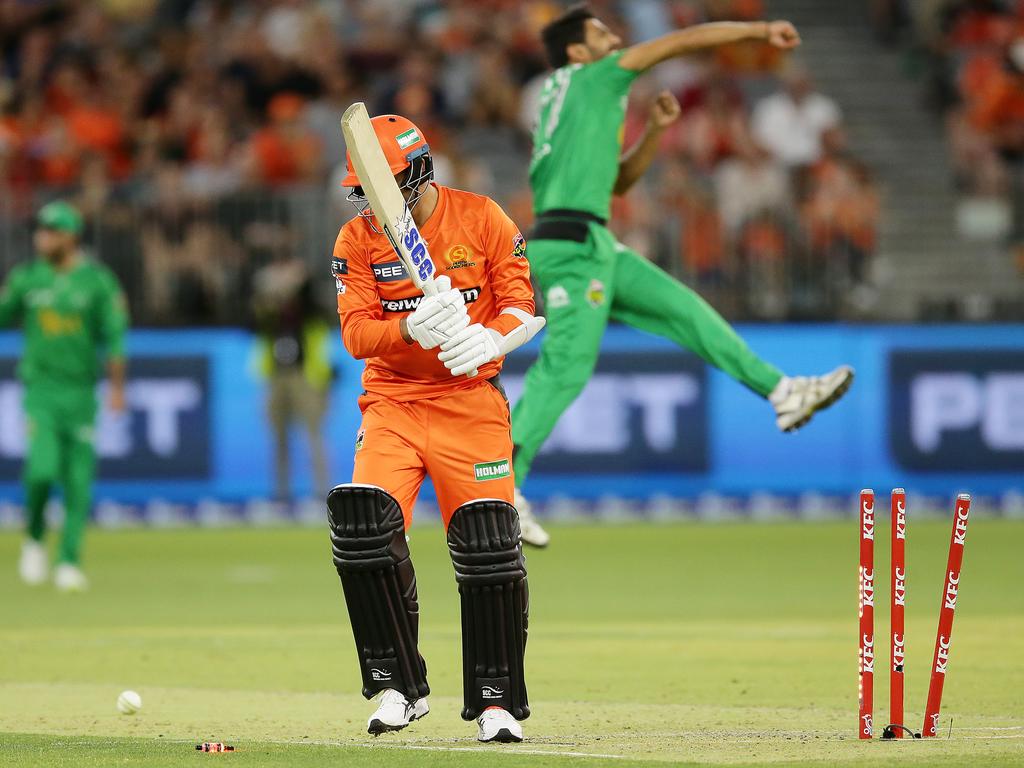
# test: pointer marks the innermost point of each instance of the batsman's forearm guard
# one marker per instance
(372, 558)
(484, 541)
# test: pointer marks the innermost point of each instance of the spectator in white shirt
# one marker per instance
(751, 184)
(790, 123)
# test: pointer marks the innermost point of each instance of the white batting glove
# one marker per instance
(438, 317)
(470, 348)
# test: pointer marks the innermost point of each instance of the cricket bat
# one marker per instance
(389, 207)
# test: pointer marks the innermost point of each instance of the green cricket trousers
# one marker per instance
(60, 452)
(586, 278)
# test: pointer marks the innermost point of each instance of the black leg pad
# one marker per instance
(484, 541)
(372, 558)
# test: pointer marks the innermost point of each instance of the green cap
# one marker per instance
(60, 216)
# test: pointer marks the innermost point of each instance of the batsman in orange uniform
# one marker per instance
(433, 404)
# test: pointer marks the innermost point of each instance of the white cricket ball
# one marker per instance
(129, 702)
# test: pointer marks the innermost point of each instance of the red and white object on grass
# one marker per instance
(866, 605)
(897, 605)
(947, 607)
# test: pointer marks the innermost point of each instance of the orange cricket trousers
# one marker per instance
(462, 439)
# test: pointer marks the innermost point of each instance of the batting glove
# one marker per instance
(439, 317)
(470, 348)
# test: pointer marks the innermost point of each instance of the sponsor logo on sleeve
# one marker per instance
(339, 267)
(492, 470)
(340, 285)
(359, 439)
(595, 293)
(390, 272)
(519, 246)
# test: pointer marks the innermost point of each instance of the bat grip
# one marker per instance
(429, 287)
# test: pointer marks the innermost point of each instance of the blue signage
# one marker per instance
(936, 409)
(957, 410)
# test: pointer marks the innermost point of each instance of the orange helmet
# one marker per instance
(401, 141)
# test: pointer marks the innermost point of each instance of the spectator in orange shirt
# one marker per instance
(841, 212)
(285, 152)
(445, 415)
(997, 107)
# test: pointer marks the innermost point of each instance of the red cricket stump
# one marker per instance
(943, 637)
(866, 593)
(897, 605)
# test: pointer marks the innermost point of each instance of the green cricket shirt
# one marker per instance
(71, 319)
(577, 141)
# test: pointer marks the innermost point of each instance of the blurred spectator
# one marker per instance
(790, 123)
(889, 18)
(749, 185)
(841, 212)
(715, 130)
(286, 151)
(293, 338)
(216, 168)
(323, 115)
(494, 99)
(689, 201)
(188, 258)
(977, 79)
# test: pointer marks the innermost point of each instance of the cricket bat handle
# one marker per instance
(429, 288)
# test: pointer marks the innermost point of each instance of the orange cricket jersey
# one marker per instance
(471, 240)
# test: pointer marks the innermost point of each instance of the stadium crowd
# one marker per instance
(974, 50)
(200, 138)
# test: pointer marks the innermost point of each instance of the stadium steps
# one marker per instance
(921, 254)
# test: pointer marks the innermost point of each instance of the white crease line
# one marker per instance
(436, 748)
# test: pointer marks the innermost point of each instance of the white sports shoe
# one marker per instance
(395, 712)
(796, 399)
(533, 533)
(69, 578)
(33, 567)
(498, 725)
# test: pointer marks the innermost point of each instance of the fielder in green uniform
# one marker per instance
(73, 313)
(585, 275)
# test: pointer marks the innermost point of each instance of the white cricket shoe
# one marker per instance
(533, 533)
(395, 712)
(796, 399)
(498, 725)
(69, 578)
(34, 566)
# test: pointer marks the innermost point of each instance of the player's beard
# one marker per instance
(60, 256)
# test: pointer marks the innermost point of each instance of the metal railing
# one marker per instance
(190, 262)
(186, 261)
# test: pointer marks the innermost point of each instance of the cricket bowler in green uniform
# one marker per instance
(588, 278)
(73, 314)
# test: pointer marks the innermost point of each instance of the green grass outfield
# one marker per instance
(729, 644)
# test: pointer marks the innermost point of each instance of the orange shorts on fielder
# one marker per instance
(462, 439)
